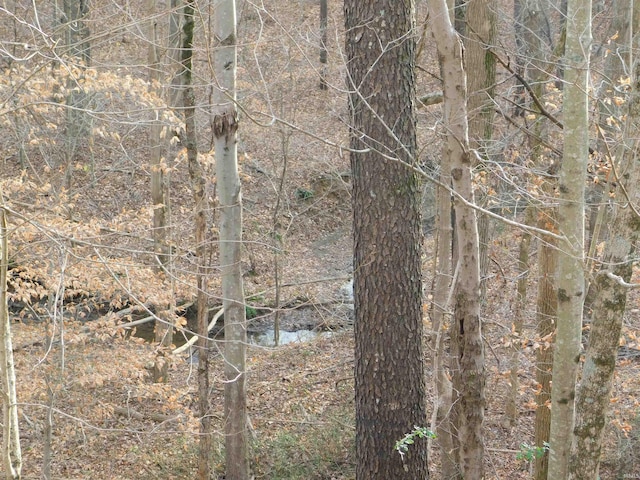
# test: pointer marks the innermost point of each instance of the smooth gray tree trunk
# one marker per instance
(571, 212)
(225, 126)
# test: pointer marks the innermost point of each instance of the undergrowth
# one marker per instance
(317, 449)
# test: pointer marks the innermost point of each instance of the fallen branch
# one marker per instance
(156, 417)
(145, 319)
(194, 339)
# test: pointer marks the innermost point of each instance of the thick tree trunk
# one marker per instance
(571, 281)
(469, 372)
(389, 365)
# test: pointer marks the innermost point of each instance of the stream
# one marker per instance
(297, 326)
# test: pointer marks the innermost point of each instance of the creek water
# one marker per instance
(267, 338)
(264, 338)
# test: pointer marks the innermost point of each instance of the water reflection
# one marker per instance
(267, 338)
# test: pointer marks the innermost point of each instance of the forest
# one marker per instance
(320, 239)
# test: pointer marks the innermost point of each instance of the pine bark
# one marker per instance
(571, 280)
(389, 369)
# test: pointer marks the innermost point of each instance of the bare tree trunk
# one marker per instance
(11, 452)
(533, 39)
(571, 281)
(608, 309)
(440, 317)
(174, 54)
(480, 61)
(546, 309)
(469, 373)
(76, 30)
(160, 246)
(163, 329)
(198, 184)
(389, 362)
(225, 126)
(323, 46)
(618, 63)
(519, 314)
(76, 41)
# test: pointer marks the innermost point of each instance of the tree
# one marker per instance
(225, 126)
(75, 34)
(479, 59)
(612, 281)
(466, 338)
(389, 371)
(76, 30)
(196, 174)
(11, 452)
(159, 195)
(533, 51)
(323, 44)
(570, 278)
(159, 198)
(440, 319)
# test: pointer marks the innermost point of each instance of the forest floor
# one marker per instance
(111, 421)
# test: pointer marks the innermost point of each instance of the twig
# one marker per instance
(620, 281)
(525, 84)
